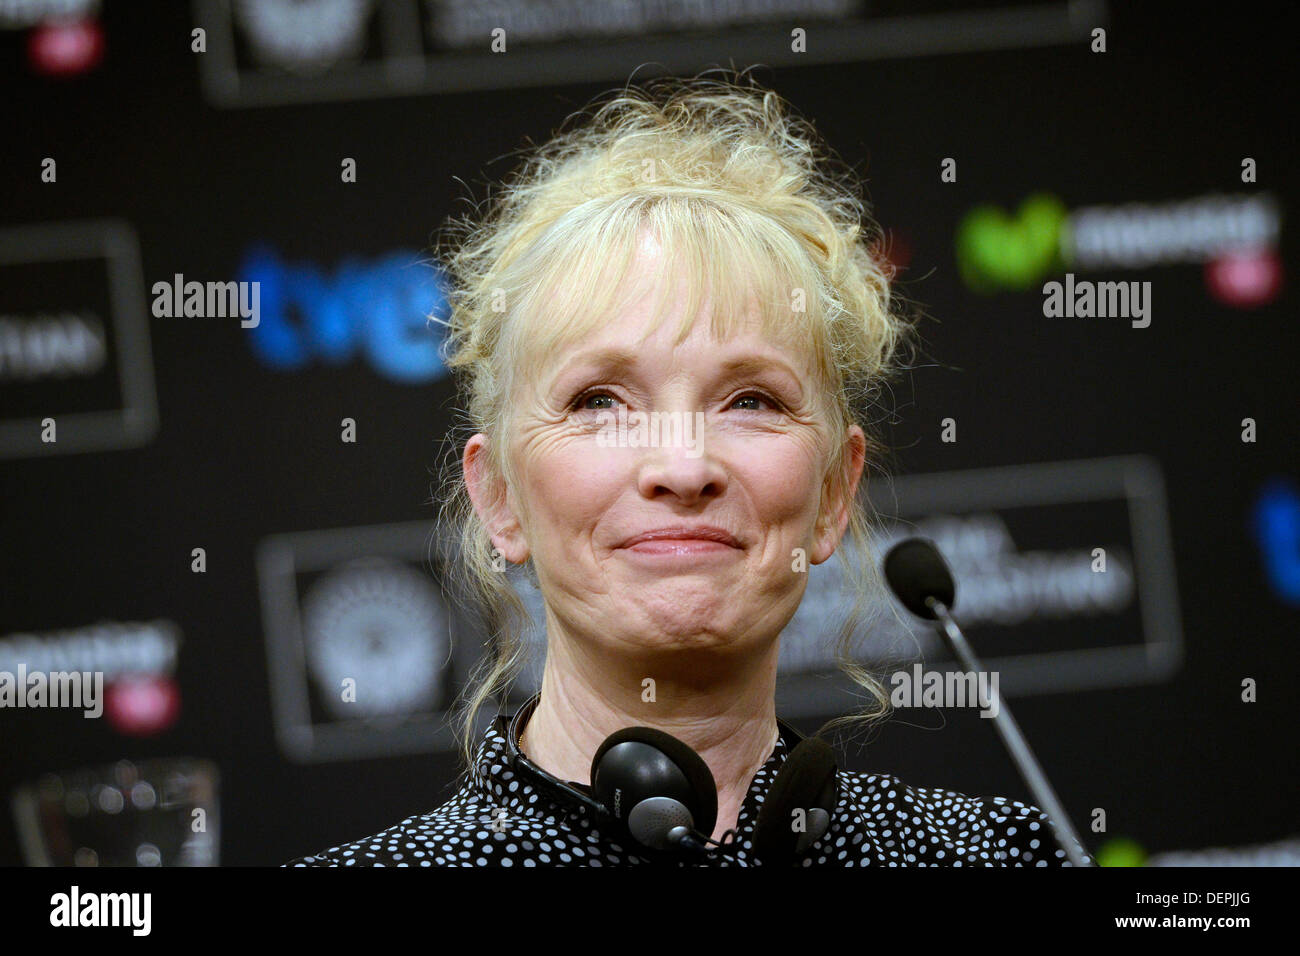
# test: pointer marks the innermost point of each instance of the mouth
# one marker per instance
(682, 541)
(700, 533)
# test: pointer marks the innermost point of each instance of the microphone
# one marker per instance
(922, 581)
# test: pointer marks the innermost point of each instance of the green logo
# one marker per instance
(996, 251)
(1121, 852)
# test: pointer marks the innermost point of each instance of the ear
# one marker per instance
(834, 516)
(491, 499)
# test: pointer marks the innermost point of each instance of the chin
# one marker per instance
(682, 628)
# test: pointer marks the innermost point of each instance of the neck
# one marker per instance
(723, 710)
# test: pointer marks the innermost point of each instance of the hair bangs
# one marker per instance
(692, 253)
(576, 282)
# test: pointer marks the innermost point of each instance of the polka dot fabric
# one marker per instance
(499, 820)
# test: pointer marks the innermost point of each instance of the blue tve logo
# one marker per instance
(1277, 529)
(379, 308)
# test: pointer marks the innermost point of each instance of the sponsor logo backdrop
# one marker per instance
(200, 533)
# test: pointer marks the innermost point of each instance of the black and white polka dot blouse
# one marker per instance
(497, 819)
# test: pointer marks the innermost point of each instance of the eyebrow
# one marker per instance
(619, 360)
(615, 359)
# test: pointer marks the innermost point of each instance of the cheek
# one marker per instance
(784, 479)
(571, 482)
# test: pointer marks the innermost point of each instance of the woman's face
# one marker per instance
(744, 461)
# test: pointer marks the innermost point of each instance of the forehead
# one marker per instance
(636, 342)
(645, 316)
(687, 260)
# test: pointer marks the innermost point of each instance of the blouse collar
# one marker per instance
(498, 784)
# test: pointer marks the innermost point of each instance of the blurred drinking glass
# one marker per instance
(161, 812)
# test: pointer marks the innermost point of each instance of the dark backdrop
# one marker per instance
(245, 449)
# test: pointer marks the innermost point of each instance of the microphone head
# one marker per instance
(915, 571)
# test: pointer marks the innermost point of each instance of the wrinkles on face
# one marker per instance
(755, 472)
(753, 466)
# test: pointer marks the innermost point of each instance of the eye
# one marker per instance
(581, 402)
(584, 400)
(754, 396)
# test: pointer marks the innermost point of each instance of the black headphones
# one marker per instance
(659, 795)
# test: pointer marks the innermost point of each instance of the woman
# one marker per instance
(669, 328)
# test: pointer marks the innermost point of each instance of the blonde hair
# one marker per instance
(749, 205)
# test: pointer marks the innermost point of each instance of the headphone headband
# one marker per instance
(807, 779)
(534, 774)
(512, 725)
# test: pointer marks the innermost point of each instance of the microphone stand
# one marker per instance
(1009, 730)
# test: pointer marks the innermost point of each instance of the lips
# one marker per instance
(704, 533)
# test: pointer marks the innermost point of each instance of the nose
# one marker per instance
(681, 474)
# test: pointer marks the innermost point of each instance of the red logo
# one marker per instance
(892, 253)
(1245, 278)
(65, 48)
(142, 706)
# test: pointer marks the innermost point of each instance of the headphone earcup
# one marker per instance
(651, 782)
(807, 781)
